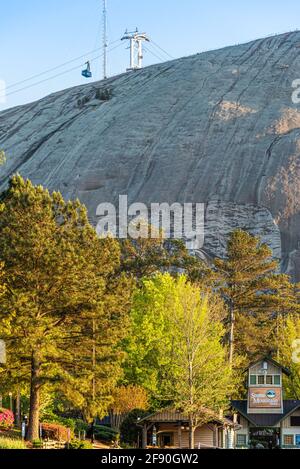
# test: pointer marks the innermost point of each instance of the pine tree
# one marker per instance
(61, 317)
(146, 256)
(255, 293)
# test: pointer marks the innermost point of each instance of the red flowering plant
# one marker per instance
(6, 419)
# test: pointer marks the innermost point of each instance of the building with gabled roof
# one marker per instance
(169, 428)
(266, 419)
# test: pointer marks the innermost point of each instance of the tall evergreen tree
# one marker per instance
(255, 293)
(61, 318)
(144, 257)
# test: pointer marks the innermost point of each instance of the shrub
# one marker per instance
(78, 444)
(75, 425)
(129, 428)
(13, 433)
(81, 426)
(103, 433)
(54, 431)
(10, 443)
(37, 444)
(104, 94)
(6, 418)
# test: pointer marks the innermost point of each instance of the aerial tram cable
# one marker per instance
(58, 74)
(58, 66)
(163, 50)
(161, 59)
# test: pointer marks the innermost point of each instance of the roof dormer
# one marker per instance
(265, 386)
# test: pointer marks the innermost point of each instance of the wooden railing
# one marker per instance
(51, 444)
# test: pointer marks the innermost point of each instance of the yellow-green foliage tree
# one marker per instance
(288, 341)
(125, 400)
(202, 380)
(178, 331)
(62, 315)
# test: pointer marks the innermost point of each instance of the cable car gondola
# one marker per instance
(86, 73)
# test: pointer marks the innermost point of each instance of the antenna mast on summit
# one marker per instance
(105, 40)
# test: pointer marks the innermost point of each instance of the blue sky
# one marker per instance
(36, 35)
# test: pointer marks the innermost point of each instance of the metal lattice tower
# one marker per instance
(105, 40)
(136, 48)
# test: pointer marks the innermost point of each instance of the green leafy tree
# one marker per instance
(288, 340)
(145, 365)
(61, 317)
(176, 348)
(202, 380)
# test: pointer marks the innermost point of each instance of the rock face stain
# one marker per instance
(219, 128)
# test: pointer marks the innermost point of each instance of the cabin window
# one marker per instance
(261, 379)
(253, 379)
(265, 379)
(295, 421)
(288, 440)
(241, 440)
(277, 379)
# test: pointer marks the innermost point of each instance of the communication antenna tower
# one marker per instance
(105, 40)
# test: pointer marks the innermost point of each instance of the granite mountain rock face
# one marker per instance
(219, 128)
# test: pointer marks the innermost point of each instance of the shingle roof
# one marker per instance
(265, 420)
(274, 362)
(170, 415)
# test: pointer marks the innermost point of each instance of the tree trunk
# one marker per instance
(18, 409)
(144, 444)
(191, 434)
(231, 333)
(34, 412)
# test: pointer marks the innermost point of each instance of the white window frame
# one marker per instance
(290, 435)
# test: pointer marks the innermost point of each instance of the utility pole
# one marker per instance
(136, 40)
(105, 40)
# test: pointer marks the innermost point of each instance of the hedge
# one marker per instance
(54, 431)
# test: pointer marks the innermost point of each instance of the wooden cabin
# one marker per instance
(169, 428)
(266, 419)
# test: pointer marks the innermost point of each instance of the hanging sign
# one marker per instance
(265, 398)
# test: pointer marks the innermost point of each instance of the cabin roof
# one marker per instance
(172, 415)
(266, 420)
(270, 360)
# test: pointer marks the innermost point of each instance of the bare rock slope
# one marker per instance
(219, 127)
